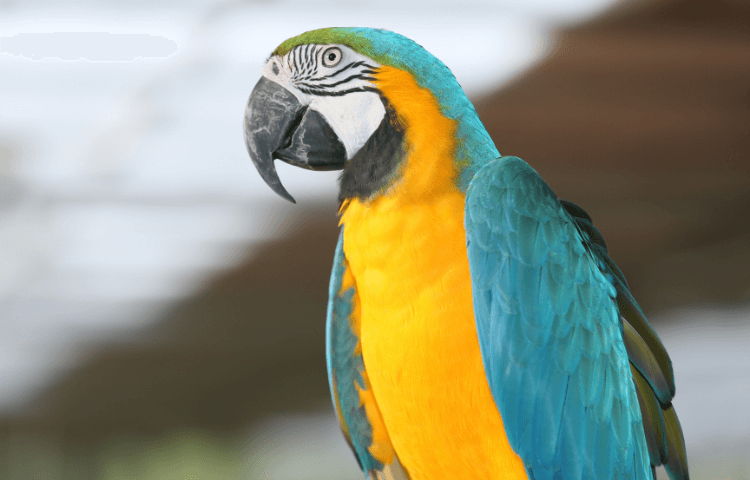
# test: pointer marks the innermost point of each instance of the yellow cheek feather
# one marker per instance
(406, 251)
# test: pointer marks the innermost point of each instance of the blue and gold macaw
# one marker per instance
(477, 328)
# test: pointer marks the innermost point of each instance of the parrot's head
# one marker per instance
(343, 98)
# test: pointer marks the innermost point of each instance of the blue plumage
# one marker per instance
(346, 375)
(345, 366)
(550, 332)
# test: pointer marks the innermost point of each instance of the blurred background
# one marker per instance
(162, 311)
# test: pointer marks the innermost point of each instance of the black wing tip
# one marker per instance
(576, 211)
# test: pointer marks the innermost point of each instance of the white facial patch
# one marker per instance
(343, 92)
(354, 117)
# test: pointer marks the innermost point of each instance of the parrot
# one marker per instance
(476, 327)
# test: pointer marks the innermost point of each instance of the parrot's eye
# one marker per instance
(331, 57)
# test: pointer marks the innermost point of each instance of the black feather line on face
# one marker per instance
(356, 76)
(351, 65)
(376, 163)
(315, 59)
(343, 69)
(295, 58)
(324, 93)
(307, 60)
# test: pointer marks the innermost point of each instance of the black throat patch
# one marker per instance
(376, 162)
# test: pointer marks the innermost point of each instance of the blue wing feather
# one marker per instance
(346, 374)
(550, 332)
(345, 366)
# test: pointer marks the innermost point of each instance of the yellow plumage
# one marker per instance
(428, 395)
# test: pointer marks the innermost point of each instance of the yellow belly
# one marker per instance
(419, 339)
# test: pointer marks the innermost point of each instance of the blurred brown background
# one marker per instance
(641, 116)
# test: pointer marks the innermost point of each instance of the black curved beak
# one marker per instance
(278, 126)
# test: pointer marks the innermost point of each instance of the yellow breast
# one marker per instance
(406, 250)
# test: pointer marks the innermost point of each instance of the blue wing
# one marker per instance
(557, 349)
(346, 374)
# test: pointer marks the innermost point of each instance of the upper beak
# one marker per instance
(278, 126)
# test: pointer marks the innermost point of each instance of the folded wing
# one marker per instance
(581, 380)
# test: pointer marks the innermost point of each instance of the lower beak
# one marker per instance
(278, 126)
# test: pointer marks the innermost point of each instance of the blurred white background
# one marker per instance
(125, 178)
